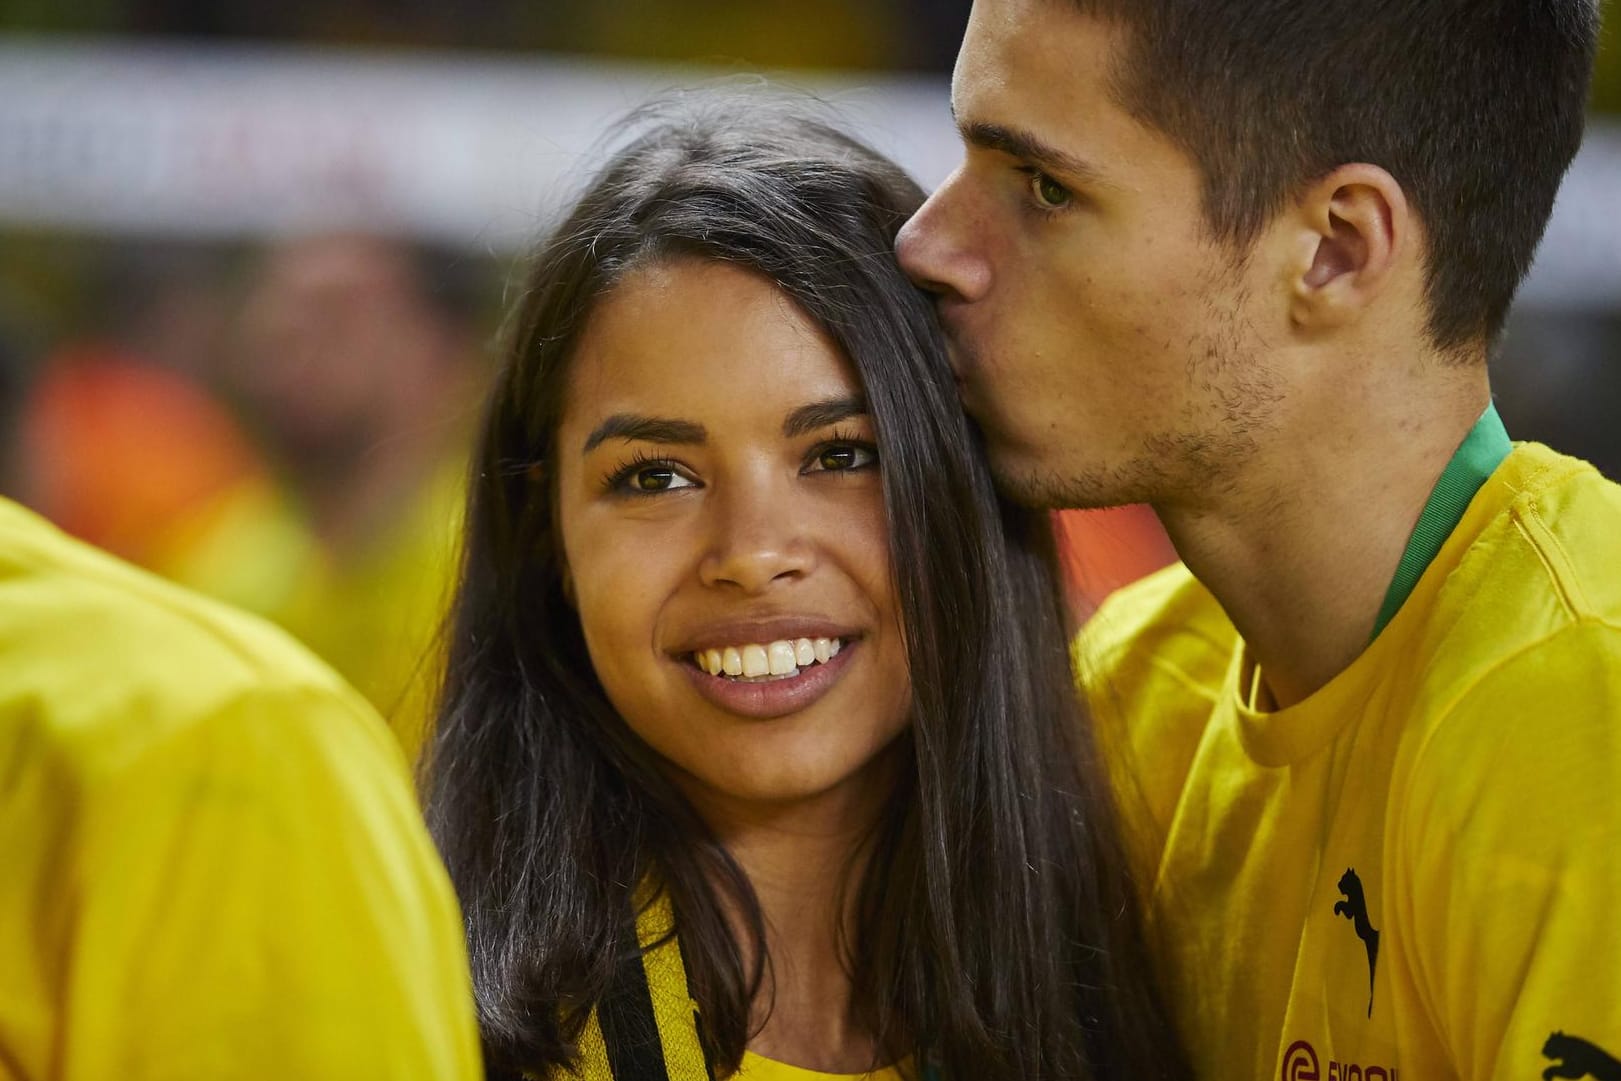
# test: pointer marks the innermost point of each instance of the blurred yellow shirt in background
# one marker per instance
(374, 614)
(214, 863)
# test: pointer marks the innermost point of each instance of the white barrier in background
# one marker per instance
(232, 141)
(229, 141)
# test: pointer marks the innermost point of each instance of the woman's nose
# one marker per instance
(757, 538)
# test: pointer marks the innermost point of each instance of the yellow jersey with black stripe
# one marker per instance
(646, 1028)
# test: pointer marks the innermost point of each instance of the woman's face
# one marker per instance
(723, 526)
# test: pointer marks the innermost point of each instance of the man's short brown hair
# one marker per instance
(1474, 106)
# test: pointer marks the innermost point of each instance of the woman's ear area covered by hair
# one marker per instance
(543, 485)
(1351, 246)
(565, 583)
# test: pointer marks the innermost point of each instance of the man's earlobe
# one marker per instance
(1356, 228)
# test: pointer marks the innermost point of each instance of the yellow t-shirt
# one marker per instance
(650, 997)
(213, 863)
(1416, 872)
(373, 614)
(756, 1068)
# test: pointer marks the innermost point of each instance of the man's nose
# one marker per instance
(940, 248)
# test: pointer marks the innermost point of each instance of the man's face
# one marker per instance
(1104, 341)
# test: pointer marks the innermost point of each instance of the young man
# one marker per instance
(1245, 262)
(214, 868)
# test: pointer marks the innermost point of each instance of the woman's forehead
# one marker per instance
(704, 341)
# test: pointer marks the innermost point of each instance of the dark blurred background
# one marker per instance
(252, 258)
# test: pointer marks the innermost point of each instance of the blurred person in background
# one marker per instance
(758, 754)
(14, 382)
(1246, 262)
(127, 453)
(121, 437)
(355, 358)
(215, 867)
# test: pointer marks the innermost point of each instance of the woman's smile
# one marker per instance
(780, 684)
(766, 667)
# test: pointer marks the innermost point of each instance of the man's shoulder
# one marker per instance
(1537, 559)
(1568, 515)
(107, 658)
(1151, 664)
(1517, 666)
(1168, 622)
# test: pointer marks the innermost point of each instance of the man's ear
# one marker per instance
(1354, 228)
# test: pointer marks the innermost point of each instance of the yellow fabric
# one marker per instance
(674, 1009)
(373, 614)
(755, 1068)
(1465, 770)
(214, 866)
(676, 1012)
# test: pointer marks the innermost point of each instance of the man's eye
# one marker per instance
(843, 457)
(1048, 193)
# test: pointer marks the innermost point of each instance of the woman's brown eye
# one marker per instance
(654, 480)
(839, 458)
(845, 457)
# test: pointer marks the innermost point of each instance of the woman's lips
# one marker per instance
(775, 697)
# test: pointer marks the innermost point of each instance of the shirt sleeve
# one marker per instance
(1512, 847)
(256, 897)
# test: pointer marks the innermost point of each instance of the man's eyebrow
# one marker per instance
(808, 418)
(1017, 143)
(650, 429)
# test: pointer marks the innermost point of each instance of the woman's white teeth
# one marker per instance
(755, 662)
(774, 660)
(780, 656)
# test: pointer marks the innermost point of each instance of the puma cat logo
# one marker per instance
(1355, 909)
(1580, 1059)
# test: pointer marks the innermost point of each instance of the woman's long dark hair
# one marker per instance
(997, 931)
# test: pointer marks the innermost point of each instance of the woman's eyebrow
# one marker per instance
(651, 429)
(808, 418)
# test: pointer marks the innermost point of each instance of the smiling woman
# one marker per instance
(757, 699)
(709, 549)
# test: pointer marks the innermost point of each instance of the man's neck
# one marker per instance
(1302, 555)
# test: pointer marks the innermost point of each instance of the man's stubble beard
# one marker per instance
(1196, 462)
